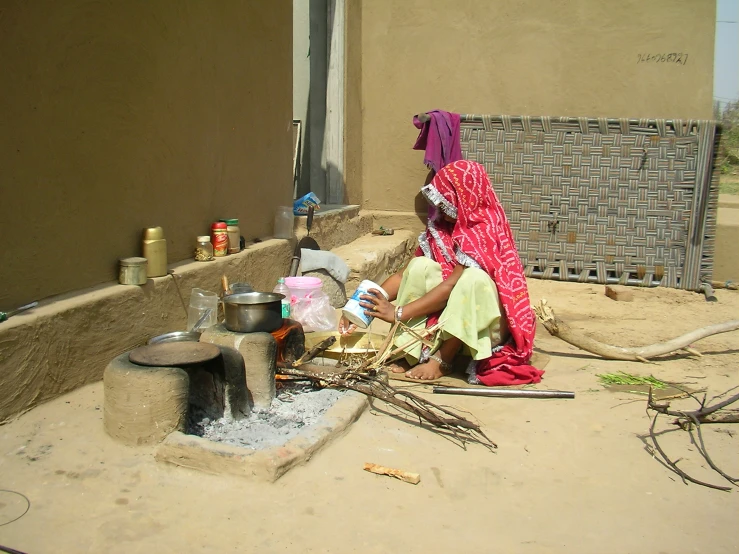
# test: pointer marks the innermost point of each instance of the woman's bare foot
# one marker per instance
(439, 364)
(427, 371)
(400, 366)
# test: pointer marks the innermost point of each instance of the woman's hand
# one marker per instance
(376, 305)
(345, 327)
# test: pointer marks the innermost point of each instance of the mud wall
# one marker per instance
(122, 115)
(531, 57)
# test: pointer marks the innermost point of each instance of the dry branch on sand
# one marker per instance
(560, 329)
(691, 421)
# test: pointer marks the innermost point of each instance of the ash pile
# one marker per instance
(296, 406)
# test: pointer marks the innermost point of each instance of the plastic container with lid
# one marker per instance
(219, 238)
(353, 311)
(203, 249)
(234, 235)
(300, 287)
(155, 251)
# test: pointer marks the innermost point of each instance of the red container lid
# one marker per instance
(219, 225)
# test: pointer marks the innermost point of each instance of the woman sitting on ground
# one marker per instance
(466, 275)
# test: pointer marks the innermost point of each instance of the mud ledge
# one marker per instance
(69, 339)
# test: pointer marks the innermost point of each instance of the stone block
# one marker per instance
(619, 293)
(259, 352)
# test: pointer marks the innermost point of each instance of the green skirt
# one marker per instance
(472, 313)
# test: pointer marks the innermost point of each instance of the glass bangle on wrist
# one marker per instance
(398, 313)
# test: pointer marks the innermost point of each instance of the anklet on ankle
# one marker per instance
(445, 366)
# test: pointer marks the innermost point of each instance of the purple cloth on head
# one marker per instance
(439, 137)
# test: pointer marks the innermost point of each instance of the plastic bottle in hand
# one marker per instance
(281, 288)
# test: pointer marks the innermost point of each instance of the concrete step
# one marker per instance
(376, 257)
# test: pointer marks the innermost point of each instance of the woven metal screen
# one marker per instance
(613, 201)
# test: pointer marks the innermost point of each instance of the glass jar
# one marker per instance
(203, 249)
(284, 220)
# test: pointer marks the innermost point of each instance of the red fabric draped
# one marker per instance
(482, 233)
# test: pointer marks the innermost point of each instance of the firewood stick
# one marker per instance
(406, 476)
(425, 333)
(315, 351)
(382, 350)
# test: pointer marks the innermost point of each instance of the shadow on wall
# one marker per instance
(421, 205)
(315, 172)
(312, 174)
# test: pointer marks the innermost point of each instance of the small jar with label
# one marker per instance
(234, 235)
(203, 249)
(219, 239)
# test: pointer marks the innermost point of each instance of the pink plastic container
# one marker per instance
(300, 287)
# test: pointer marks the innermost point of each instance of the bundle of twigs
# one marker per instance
(691, 422)
(373, 383)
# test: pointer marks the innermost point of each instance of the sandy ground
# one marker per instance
(569, 475)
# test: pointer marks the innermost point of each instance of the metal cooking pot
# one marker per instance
(253, 312)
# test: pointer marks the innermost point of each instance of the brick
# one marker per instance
(619, 293)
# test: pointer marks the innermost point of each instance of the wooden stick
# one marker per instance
(315, 351)
(560, 329)
(379, 356)
(425, 333)
(405, 476)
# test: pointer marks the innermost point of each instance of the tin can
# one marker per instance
(132, 271)
(353, 311)
(219, 238)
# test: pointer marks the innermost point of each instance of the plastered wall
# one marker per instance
(122, 115)
(529, 57)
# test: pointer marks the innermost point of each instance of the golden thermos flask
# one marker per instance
(155, 251)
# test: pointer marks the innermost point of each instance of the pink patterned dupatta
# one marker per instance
(482, 238)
